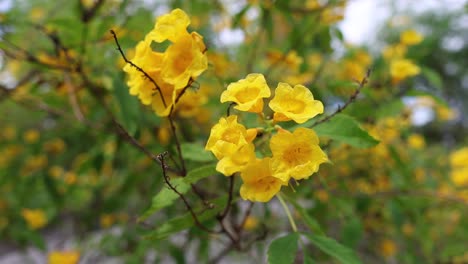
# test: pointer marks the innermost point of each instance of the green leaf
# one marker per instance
(283, 250)
(334, 249)
(196, 152)
(128, 106)
(166, 197)
(352, 232)
(199, 173)
(178, 224)
(346, 129)
(433, 77)
(392, 108)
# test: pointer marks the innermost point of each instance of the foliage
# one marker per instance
(141, 121)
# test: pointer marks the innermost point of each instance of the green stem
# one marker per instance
(288, 213)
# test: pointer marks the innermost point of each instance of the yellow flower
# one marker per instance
(63, 257)
(170, 26)
(237, 161)
(296, 103)
(459, 158)
(259, 185)
(459, 176)
(190, 103)
(183, 60)
(296, 154)
(394, 52)
(250, 223)
(403, 68)
(228, 136)
(149, 61)
(31, 136)
(387, 248)
(416, 141)
(107, 220)
(247, 93)
(173, 69)
(35, 218)
(410, 37)
(231, 143)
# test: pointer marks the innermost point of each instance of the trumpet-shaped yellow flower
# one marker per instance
(259, 184)
(150, 62)
(296, 155)
(410, 37)
(183, 60)
(296, 104)
(401, 69)
(228, 136)
(171, 70)
(247, 93)
(63, 257)
(35, 218)
(228, 165)
(170, 26)
(396, 51)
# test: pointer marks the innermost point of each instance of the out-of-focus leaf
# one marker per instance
(346, 129)
(331, 247)
(186, 221)
(433, 77)
(199, 173)
(283, 250)
(166, 197)
(238, 17)
(392, 108)
(196, 152)
(352, 232)
(128, 106)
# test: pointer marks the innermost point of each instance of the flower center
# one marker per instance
(296, 154)
(247, 94)
(294, 105)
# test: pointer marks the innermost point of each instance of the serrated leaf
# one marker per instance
(346, 129)
(196, 152)
(199, 173)
(283, 250)
(181, 223)
(334, 249)
(166, 197)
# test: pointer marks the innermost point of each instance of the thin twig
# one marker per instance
(350, 100)
(138, 68)
(228, 204)
(164, 167)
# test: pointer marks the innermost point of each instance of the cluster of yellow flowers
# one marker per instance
(400, 67)
(459, 173)
(295, 155)
(172, 70)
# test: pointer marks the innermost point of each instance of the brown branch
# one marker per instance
(164, 167)
(138, 68)
(350, 100)
(229, 201)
